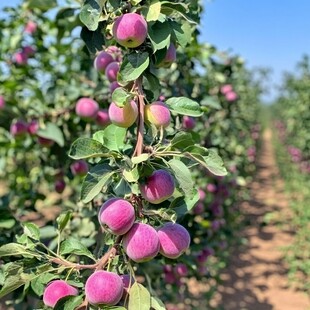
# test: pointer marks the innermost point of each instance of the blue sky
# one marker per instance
(266, 33)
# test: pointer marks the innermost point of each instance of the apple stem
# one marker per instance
(140, 132)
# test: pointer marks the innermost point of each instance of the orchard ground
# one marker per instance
(256, 277)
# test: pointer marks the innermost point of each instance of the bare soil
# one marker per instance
(256, 277)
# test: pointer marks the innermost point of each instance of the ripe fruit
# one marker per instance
(31, 27)
(170, 57)
(188, 122)
(45, 141)
(102, 118)
(102, 60)
(29, 50)
(18, 128)
(20, 58)
(174, 240)
(104, 288)
(158, 114)
(87, 108)
(60, 186)
(181, 270)
(2, 103)
(226, 88)
(111, 71)
(141, 243)
(118, 215)
(33, 127)
(125, 116)
(79, 167)
(116, 52)
(199, 208)
(231, 96)
(130, 30)
(128, 281)
(158, 187)
(113, 86)
(56, 290)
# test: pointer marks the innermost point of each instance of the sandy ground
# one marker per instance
(256, 278)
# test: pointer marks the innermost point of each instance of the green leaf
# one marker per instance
(7, 223)
(13, 249)
(112, 137)
(43, 5)
(120, 97)
(169, 8)
(68, 303)
(131, 175)
(90, 14)
(139, 298)
(74, 246)
(38, 284)
(153, 11)
(182, 140)
(11, 284)
(184, 106)
(182, 205)
(94, 40)
(52, 132)
(157, 304)
(63, 219)
(211, 102)
(151, 86)
(181, 33)
(98, 177)
(159, 34)
(183, 175)
(139, 159)
(133, 66)
(32, 230)
(215, 163)
(87, 148)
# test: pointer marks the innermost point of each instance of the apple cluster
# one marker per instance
(229, 93)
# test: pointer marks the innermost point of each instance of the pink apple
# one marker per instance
(56, 290)
(113, 86)
(104, 288)
(31, 27)
(102, 60)
(29, 50)
(117, 215)
(188, 122)
(20, 58)
(33, 127)
(174, 240)
(87, 108)
(231, 96)
(170, 57)
(158, 187)
(141, 243)
(226, 89)
(130, 30)
(158, 114)
(125, 116)
(111, 71)
(102, 118)
(79, 167)
(60, 185)
(18, 128)
(2, 102)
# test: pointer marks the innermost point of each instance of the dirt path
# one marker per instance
(256, 278)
